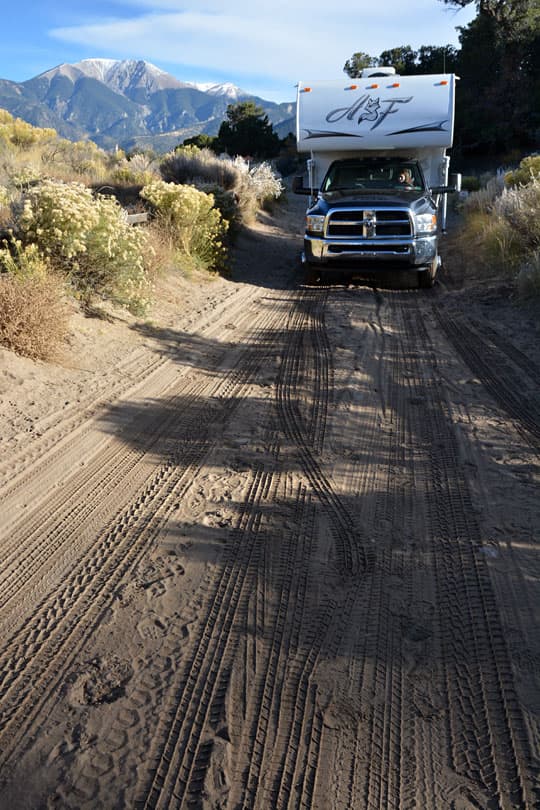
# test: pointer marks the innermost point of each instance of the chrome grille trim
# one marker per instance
(368, 223)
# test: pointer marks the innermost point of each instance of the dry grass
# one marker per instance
(528, 280)
(498, 236)
(6, 218)
(33, 315)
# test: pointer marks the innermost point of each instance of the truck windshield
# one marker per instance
(344, 175)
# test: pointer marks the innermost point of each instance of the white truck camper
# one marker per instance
(377, 172)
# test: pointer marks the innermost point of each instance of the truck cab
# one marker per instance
(377, 172)
(373, 212)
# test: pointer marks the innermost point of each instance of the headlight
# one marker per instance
(315, 222)
(426, 223)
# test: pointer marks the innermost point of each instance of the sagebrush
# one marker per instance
(34, 315)
(191, 220)
(189, 165)
(251, 187)
(500, 236)
(62, 236)
(88, 239)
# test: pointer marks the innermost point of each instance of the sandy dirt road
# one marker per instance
(281, 553)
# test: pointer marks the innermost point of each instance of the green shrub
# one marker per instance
(88, 239)
(25, 149)
(225, 201)
(529, 170)
(470, 183)
(190, 217)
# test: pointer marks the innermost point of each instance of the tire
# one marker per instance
(311, 275)
(426, 278)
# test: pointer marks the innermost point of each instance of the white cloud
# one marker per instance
(277, 43)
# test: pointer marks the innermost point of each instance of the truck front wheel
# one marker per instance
(311, 274)
(426, 278)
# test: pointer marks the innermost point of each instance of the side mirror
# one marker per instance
(455, 185)
(298, 187)
(455, 181)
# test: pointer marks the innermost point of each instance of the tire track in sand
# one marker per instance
(33, 661)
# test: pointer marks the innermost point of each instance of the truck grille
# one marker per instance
(364, 223)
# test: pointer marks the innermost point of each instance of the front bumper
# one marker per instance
(411, 252)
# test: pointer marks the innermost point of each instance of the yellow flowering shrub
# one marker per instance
(88, 239)
(21, 134)
(23, 260)
(23, 176)
(130, 176)
(58, 217)
(192, 219)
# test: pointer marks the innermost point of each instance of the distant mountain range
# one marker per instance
(128, 103)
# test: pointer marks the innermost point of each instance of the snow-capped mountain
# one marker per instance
(230, 91)
(127, 102)
(119, 75)
(126, 75)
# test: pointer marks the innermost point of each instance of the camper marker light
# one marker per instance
(372, 86)
(443, 82)
(315, 223)
(352, 87)
(396, 84)
(306, 89)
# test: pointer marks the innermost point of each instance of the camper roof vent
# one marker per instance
(378, 72)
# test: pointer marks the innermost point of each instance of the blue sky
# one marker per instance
(263, 49)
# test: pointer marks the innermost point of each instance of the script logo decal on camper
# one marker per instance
(368, 108)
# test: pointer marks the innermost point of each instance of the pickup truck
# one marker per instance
(373, 213)
(377, 172)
